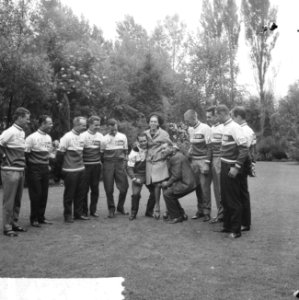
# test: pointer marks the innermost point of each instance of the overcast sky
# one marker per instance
(105, 14)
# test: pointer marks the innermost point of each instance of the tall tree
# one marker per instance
(258, 15)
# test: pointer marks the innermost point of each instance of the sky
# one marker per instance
(285, 64)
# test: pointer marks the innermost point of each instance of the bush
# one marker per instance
(268, 149)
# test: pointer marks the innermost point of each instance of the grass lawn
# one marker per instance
(161, 261)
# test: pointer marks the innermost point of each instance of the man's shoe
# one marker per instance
(35, 224)
(176, 220)
(68, 220)
(95, 215)
(245, 228)
(132, 217)
(111, 214)
(198, 216)
(214, 221)
(46, 222)
(165, 216)
(122, 212)
(234, 235)
(82, 218)
(185, 217)
(18, 228)
(149, 215)
(206, 218)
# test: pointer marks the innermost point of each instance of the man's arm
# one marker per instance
(175, 170)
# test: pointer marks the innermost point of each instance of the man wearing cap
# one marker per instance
(38, 148)
(12, 147)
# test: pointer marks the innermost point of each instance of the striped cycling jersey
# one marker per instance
(216, 138)
(92, 146)
(249, 134)
(38, 147)
(12, 141)
(72, 145)
(234, 148)
(200, 139)
(137, 161)
(114, 147)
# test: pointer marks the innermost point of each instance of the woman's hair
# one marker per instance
(158, 116)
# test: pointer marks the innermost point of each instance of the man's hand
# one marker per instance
(164, 185)
(137, 181)
(206, 169)
(233, 172)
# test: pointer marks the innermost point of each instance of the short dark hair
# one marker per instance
(20, 112)
(76, 120)
(42, 119)
(112, 122)
(158, 116)
(141, 134)
(211, 109)
(92, 119)
(239, 111)
(222, 108)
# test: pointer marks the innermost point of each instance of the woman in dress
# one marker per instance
(156, 165)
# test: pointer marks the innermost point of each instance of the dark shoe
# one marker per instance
(176, 220)
(132, 217)
(198, 216)
(82, 218)
(111, 214)
(214, 221)
(206, 218)
(223, 230)
(149, 215)
(122, 212)
(165, 216)
(10, 233)
(68, 220)
(185, 217)
(18, 228)
(35, 224)
(95, 215)
(46, 222)
(234, 235)
(245, 228)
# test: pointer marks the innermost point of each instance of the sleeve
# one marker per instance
(125, 143)
(175, 171)
(208, 138)
(63, 144)
(241, 141)
(103, 144)
(28, 144)
(131, 164)
(5, 137)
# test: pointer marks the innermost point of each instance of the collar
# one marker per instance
(243, 124)
(18, 127)
(228, 121)
(217, 124)
(75, 132)
(197, 124)
(90, 132)
(41, 132)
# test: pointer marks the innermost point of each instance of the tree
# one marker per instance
(257, 15)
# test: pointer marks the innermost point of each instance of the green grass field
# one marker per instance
(162, 261)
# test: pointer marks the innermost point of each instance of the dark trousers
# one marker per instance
(73, 193)
(245, 200)
(151, 200)
(114, 171)
(38, 184)
(173, 205)
(92, 176)
(231, 199)
(136, 195)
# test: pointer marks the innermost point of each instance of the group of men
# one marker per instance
(218, 153)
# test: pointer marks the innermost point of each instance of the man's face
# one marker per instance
(112, 129)
(190, 120)
(220, 116)
(95, 126)
(24, 121)
(166, 150)
(47, 125)
(82, 126)
(211, 119)
(142, 141)
(237, 118)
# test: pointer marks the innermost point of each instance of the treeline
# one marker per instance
(53, 62)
